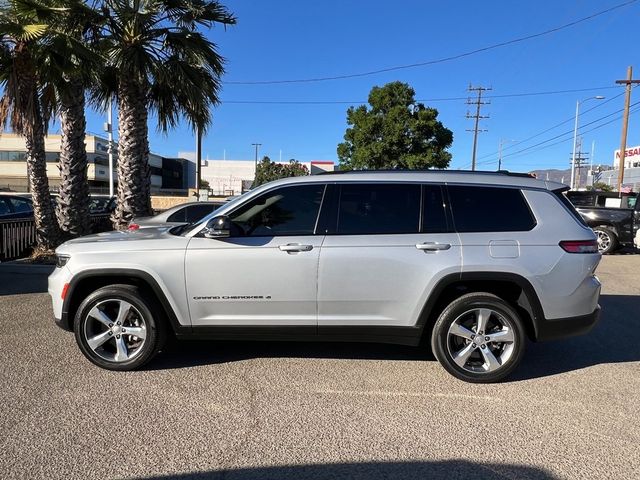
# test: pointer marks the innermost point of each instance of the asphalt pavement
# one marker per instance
(317, 411)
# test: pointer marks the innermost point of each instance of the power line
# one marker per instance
(520, 142)
(436, 61)
(569, 138)
(526, 150)
(421, 100)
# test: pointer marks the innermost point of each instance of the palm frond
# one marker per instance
(32, 32)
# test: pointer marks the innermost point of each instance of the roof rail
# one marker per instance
(469, 172)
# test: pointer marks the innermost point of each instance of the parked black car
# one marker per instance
(15, 206)
(101, 204)
(615, 219)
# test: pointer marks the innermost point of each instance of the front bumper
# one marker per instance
(566, 327)
(56, 282)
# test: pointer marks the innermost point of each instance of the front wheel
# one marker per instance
(478, 338)
(117, 329)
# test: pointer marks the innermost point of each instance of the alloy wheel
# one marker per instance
(115, 330)
(481, 340)
(604, 240)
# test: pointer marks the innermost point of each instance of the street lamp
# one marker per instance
(575, 137)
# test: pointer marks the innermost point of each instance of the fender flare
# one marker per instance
(528, 300)
(141, 275)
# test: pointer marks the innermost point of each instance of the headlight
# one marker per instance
(61, 260)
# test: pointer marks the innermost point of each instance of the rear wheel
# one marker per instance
(117, 329)
(479, 338)
(607, 240)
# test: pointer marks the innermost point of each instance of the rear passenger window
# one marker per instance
(378, 209)
(490, 209)
(434, 218)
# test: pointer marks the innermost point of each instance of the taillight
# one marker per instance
(134, 226)
(579, 246)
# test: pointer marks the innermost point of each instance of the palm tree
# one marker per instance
(158, 60)
(21, 32)
(65, 73)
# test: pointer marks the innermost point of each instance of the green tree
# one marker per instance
(601, 186)
(268, 171)
(395, 132)
(158, 60)
(24, 39)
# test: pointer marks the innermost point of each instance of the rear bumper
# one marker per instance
(566, 327)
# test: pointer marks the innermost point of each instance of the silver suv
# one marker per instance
(474, 263)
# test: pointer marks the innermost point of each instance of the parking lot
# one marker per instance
(317, 411)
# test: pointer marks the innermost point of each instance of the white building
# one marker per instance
(631, 158)
(166, 173)
(232, 177)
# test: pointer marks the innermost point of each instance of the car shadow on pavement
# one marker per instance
(412, 470)
(191, 353)
(611, 341)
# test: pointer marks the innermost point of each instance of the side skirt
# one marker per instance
(378, 334)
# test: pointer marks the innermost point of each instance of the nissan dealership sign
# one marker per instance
(631, 157)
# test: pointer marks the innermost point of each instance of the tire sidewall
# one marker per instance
(439, 338)
(132, 296)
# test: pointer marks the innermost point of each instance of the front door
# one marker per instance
(265, 273)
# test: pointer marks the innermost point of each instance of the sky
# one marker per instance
(290, 40)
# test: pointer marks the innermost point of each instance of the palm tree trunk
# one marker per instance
(47, 233)
(134, 184)
(73, 203)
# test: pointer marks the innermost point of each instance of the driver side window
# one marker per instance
(283, 211)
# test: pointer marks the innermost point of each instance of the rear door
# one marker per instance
(386, 247)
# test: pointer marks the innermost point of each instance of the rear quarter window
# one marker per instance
(489, 209)
(572, 210)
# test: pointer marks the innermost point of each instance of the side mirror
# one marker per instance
(218, 227)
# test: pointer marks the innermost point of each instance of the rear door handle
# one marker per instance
(433, 246)
(295, 247)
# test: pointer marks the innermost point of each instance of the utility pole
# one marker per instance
(625, 123)
(478, 103)
(257, 145)
(575, 136)
(500, 144)
(198, 159)
(578, 159)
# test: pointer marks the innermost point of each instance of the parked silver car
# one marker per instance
(472, 263)
(180, 214)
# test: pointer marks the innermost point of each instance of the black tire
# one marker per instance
(607, 240)
(144, 314)
(446, 345)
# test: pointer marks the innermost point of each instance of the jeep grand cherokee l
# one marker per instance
(472, 263)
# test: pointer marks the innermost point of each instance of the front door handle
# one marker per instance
(295, 247)
(433, 246)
